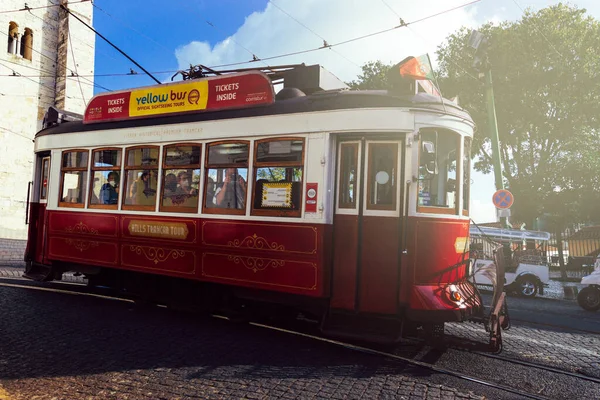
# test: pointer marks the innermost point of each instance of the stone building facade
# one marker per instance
(46, 59)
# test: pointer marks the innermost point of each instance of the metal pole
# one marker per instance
(493, 129)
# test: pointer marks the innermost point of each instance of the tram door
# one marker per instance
(367, 228)
(36, 217)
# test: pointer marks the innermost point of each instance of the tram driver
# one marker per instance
(232, 192)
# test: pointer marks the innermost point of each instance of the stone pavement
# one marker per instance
(63, 346)
(83, 347)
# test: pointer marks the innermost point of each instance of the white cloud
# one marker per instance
(271, 32)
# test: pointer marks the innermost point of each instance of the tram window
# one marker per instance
(278, 177)
(348, 175)
(226, 178)
(73, 178)
(141, 177)
(106, 172)
(382, 176)
(466, 174)
(438, 170)
(181, 178)
(44, 180)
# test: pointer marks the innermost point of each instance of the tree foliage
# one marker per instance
(546, 73)
(547, 93)
(374, 76)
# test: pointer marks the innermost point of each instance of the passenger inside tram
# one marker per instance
(210, 192)
(142, 191)
(109, 192)
(170, 185)
(232, 192)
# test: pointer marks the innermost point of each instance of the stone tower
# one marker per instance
(47, 59)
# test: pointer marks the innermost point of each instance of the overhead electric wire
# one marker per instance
(101, 75)
(448, 59)
(75, 64)
(212, 25)
(54, 61)
(109, 42)
(16, 133)
(131, 28)
(277, 56)
(78, 41)
(391, 9)
(17, 75)
(254, 56)
(41, 7)
(402, 25)
(314, 33)
(539, 31)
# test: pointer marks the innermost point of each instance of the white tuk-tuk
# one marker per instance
(589, 297)
(527, 271)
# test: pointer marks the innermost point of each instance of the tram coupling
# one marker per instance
(498, 318)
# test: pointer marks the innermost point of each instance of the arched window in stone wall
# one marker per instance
(27, 44)
(13, 37)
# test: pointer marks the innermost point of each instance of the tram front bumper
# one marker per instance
(452, 302)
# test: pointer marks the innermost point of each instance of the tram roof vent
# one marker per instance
(312, 78)
(55, 116)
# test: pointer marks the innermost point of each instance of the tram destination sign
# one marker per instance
(230, 91)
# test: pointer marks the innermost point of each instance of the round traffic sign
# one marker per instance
(503, 199)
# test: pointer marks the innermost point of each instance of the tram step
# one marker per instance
(356, 326)
(39, 272)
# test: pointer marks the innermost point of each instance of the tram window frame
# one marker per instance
(94, 169)
(437, 209)
(279, 212)
(208, 166)
(345, 185)
(141, 167)
(466, 165)
(84, 184)
(169, 167)
(44, 178)
(372, 181)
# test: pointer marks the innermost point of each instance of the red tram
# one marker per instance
(348, 206)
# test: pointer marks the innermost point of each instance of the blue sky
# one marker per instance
(169, 35)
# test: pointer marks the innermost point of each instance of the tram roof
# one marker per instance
(318, 101)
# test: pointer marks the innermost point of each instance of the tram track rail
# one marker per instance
(523, 363)
(77, 288)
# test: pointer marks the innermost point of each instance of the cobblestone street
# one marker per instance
(58, 346)
(70, 346)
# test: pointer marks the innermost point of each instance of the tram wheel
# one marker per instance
(589, 298)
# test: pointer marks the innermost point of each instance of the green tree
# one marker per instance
(374, 76)
(546, 73)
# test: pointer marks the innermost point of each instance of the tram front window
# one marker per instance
(437, 169)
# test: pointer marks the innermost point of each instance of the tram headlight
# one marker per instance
(453, 293)
(455, 296)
